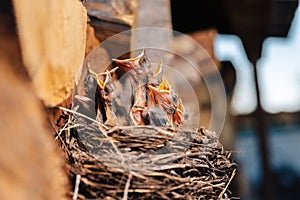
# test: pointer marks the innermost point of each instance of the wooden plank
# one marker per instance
(156, 14)
(30, 163)
(52, 36)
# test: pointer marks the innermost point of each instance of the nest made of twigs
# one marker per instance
(144, 162)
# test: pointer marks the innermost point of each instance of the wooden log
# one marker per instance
(30, 163)
(52, 36)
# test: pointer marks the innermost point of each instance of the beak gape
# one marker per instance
(152, 93)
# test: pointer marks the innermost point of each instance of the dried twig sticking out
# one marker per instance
(125, 196)
(100, 128)
(229, 181)
(76, 189)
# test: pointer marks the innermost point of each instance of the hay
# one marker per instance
(144, 162)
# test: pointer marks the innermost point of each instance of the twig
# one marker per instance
(158, 129)
(101, 129)
(76, 190)
(125, 196)
(58, 136)
(66, 127)
(80, 114)
(224, 190)
(113, 129)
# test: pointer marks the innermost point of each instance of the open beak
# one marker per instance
(101, 84)
(124, 64)
(159, 96)
(164, 86)
(106, 74)
(128, 64)
(158, 70)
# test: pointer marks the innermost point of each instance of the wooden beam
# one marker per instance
(31, 166)
(156, 14)
(52, 36)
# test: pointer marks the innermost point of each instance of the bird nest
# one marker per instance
(150, 155)
(144, 162)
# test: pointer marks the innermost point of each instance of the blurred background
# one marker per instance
(257, 47)
(278, 71)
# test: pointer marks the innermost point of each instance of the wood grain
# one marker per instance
(52, 36)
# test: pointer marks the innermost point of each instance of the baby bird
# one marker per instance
(85, 103)
(138, 69)
(168, 101)
(106, 94)
(153, 101)
(155, 115)
(144, 111)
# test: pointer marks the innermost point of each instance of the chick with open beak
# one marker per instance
(168, 101)
(153, 100)
(153, 113)
(106, 90)
(138, 69)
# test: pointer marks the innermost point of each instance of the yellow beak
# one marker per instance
(164, 86)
